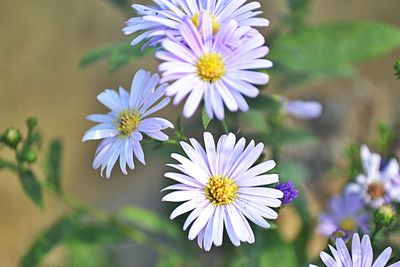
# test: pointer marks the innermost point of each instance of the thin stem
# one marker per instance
(225, 126)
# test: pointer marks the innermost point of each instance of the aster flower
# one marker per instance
(378, 185)
(156, 22)
(361, 254)
(207, 68)
(222, 190)
(121, 129)
(289, 192)
(303, 109)
(346, 213)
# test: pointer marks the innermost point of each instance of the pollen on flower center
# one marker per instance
(221, 190)
(348, 224)
(127, 122)
(214, 23)
(210, 67)
(376, 190)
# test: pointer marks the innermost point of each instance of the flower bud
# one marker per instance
(385, 215)
(12, 137)
(29, 156)
(31, 122)
(289, 192)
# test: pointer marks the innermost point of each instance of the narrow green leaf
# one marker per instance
(205, 118)
(8, 165)
(31, 186)
(334, 44)
(150, 221)
(96, 55)
(60, 231)
(53, 165)
(266, 103)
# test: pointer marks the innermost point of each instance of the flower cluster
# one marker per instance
(210, 53)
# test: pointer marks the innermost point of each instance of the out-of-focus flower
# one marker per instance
(123, 126)
(376, 186)
(222, 190)
(156, 22)
(289, 192)
(385, 215)
(303, 109)
(362, 254)
(346, 212)
(208, 69)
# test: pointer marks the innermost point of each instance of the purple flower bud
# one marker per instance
(289, 192)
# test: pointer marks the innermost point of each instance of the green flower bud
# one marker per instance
(12, 137)
(396, 67)
(31, 122)
(29, 155)
(385, 215)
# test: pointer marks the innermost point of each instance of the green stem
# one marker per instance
(225, 126)
(376, 231)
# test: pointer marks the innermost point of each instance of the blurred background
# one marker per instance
(41, 44)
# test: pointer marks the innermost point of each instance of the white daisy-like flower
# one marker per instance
(157, 22)
(378, 185)
(204, 67)
(362, 255)
(123, 126)
(222, 189)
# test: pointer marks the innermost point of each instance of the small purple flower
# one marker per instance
(377, 186)
(157, 22)
(346, 212)
(303, 109)
(206, 68)
(362, 255)
(121, 129)
(289, 192)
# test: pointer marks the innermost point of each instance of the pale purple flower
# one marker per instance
(164, 19)
(345, 212)
(222, 189)
(377, 186)
(303, 109)
(206, 68)
(123, 126)
(362, 254)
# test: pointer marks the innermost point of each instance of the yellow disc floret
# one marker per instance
(348, 224)
(210, 67)
(221, 190)
(214, 23)
(127, 122)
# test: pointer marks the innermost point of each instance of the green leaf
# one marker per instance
(266, 103)
(279, 255)
(173, 260)
(53, 165)
(255, 119)
(117, 54)
(8, 165)
(31, 186)
(331, 45)
(205, 119)
(287, 135)
(150, 221)
(56, 234)
(81, 254)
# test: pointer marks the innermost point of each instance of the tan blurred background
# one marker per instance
(41, 43)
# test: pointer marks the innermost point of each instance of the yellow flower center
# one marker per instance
(348, 224)
(127, 122)
(214, 23)
(221, 190)
(210, 67)
(376, 190)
